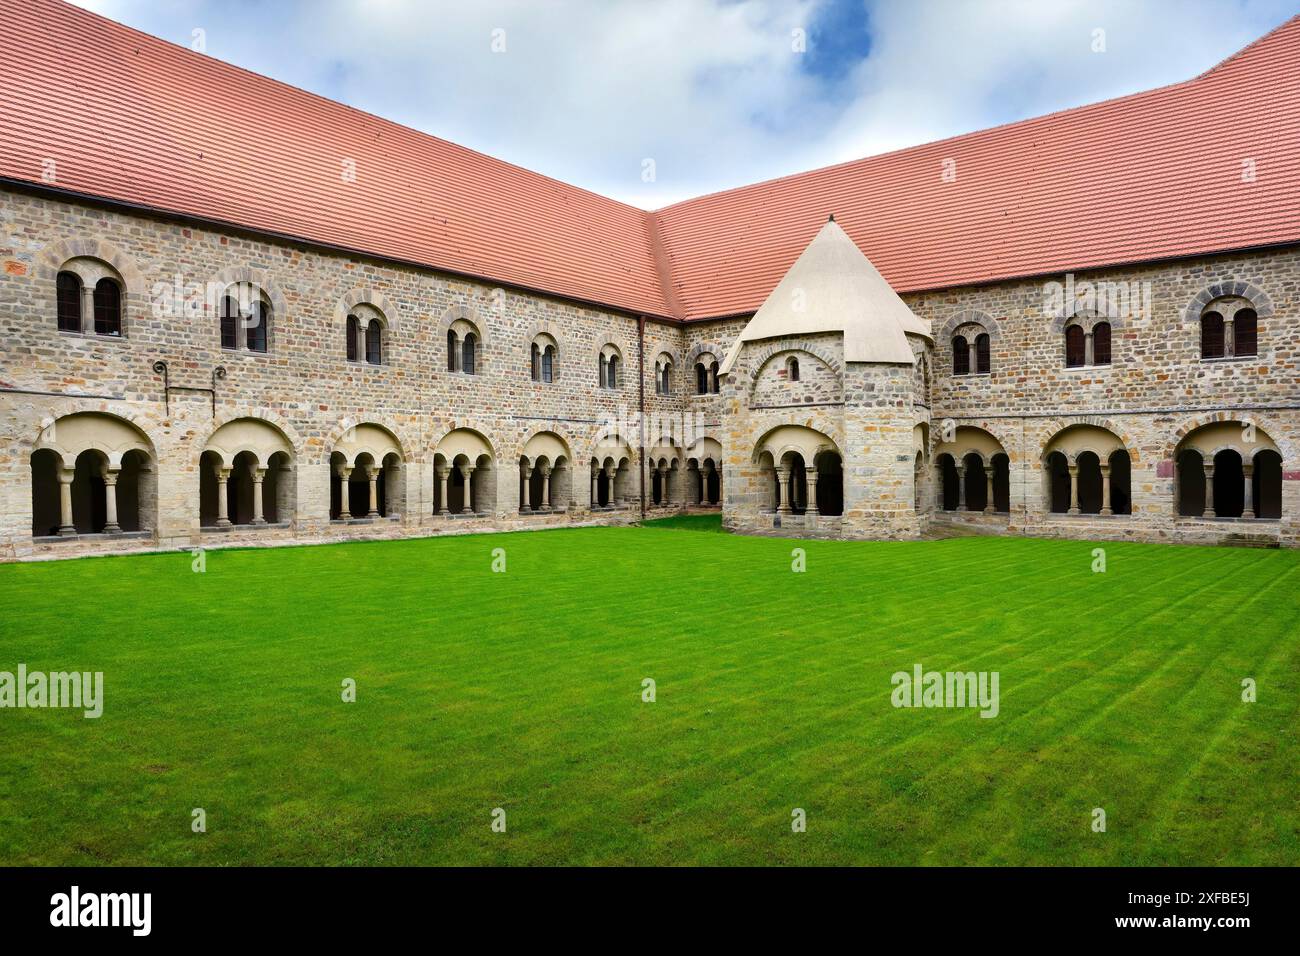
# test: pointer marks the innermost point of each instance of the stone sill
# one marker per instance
(359, 363)
(339, 522)
(542, 513)
(213, 529)
(92, 336)
(94, 536)
(1223, 359)
(457, 515)
(245, 353)
(1089, 515)
(1087, 368)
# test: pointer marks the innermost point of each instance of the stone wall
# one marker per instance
(1155, 392)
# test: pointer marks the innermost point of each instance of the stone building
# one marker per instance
(1076, 326)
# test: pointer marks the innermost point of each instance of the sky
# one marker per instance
(655, 101)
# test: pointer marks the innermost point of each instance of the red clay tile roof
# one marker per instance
(134, 119)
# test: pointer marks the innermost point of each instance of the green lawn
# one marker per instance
(522, 690)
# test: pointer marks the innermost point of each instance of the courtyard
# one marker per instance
(522, 690)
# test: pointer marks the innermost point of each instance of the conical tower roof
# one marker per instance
(833, 287)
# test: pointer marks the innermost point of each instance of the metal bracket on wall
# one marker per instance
(217, 373)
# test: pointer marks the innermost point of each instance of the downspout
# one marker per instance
(640, 362)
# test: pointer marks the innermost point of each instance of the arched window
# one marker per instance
(257, 327)
(663, 371)
(792, 369)
(1101, 343)
(108, 308)
(982, 353)
(548, 364)
(701, 379)
(374, 342)
(229, 323)
(960, 356)
(354, 333)
(1211, 335)
(67, 288)
(1075, 351)
(452, 350)
(467, 348)
(535, 362)
(1245, 332)
(713, 378)
(612, 372)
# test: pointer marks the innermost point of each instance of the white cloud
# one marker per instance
(709, 89)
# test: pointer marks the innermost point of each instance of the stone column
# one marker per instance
(1074, 490)
(783, 490)
(1248, 503)
(443, 474)
(988, 477)
(1087, 349)
(87, 309)
(1229, 346)
(372, 476)
(110, 502)
(811, 476)
(223, 500)
(1209, 491)
(546, 489)
(611, 472)
(524, 476)
(622, 499)
(706, 469)
(467, 472)
(258, 475)
(1105, 490)
(66, 527)
(961, 486)
(344, 473)
(595, 498)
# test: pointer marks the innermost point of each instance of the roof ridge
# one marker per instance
(1292, 21)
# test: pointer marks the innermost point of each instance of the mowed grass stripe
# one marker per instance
(522, 690)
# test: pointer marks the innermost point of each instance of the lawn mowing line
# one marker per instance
(1003, 728)
(1271, 660)
(1096, 718)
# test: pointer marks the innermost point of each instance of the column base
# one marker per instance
(443, 512)
(112, 528)
(223, 523)
(257, 522)
(1073, 511)
(466, 511)
(1248, 514)
(67, 531)
(1106, 511)
(372, 514)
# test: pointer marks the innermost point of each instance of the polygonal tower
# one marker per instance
(825, 414)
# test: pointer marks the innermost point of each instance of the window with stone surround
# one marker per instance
(245, 319)
(89, 297)
(706, 374)
(960, 356)
(543, 355)
(1229, 329)
(610, 361)
(464, 347)
(663, 374)
(971, 350)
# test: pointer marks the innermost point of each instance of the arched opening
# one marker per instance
(468, 351)
(960, 356)
(1121, 491)
(1229, 484)
(1089, 468)
(1075, 348)
(949, 483)
(89, 509)
(1266, 484)
(1101, 343)
(1191, 483)
(453, 350)
(353, 334)
(1001, 483)
(374, 342)
(258, 321)
(67, 287)
(1212, 335)
(977, 484)
(229, 323)
(245, 476)
(1245, 332)
(982, 358)
(108, 307)
(792, 369)
(1058, 483)
(46, 509)
(830, 484)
